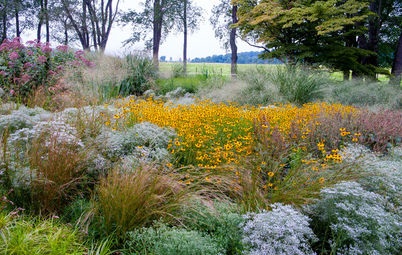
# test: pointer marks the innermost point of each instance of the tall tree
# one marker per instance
(189, 17)
(397, 64)
(224, 16)
(157, 16)
(43, 18)
(102, 15)
(77, 14)
(315, 32)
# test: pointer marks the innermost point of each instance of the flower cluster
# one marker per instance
(25, 68)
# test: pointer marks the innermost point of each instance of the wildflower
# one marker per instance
(321, 180)
(13, 55)
(271, 174)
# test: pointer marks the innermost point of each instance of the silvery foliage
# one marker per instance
(358, 220)
(20, 141)
(144, 141)
(383, 173)
(283, 230)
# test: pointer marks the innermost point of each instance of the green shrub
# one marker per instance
(298, 85)
(361, 93)
(220, 219)
(141, 76)
(259, 89)
(161, 239)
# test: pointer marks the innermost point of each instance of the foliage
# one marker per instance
(366, 94)
(23, 235)
(135, 197)
(141, 76)
(259, 89)
(161, 239)
(190, 84)
(316, 32)
(283, 230)
(26, 68)
(145, 141)
(351, 220)
(219, 219)
(298, 85)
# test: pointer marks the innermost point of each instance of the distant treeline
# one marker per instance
(250, 57)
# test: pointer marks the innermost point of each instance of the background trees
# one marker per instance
(342, 35)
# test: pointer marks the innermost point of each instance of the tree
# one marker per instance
(102, 16)
(397, 65)
(189, 17)
(224, 15)
(43, 17)
(314, 32)
(158, 16)
(77, 14)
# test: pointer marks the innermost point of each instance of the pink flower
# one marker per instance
(28, 65)
(30, 52)
(3, 73)
(25, 78)
(42, 59)
(12, 92)
(13, 55)
(46, 48)
(62, 48)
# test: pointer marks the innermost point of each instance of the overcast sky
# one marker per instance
(201, 43)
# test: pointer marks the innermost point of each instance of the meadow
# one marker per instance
(105, 155)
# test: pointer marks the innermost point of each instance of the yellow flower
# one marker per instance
(271, 174)
(321, 180)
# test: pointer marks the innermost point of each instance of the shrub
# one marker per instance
(132, 198)
(259, 89)
(218, 218)
(26, 68)
(366, 94)
(145, 141)
(350, 220)
(298, 85)
(283, 230)
(142, 74)
(44, 165)
(161, 239)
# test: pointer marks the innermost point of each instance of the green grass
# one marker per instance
(207, 68)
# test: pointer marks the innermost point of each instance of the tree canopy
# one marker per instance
(326, 33)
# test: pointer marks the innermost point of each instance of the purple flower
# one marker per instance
(62, 48)
(30, 52)
(42, 59)
(25, 78)
(46, 48)
(28, 65)
(13, 55)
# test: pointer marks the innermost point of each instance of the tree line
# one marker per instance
(361, 38)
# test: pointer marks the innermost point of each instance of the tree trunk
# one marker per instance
(4, 22)
(17, 19)
(233, 46)
(185, 38)
(397, 64)
(40, 22)
(157, 32)
(47, 27)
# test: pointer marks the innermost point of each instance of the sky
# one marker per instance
(201, 43)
